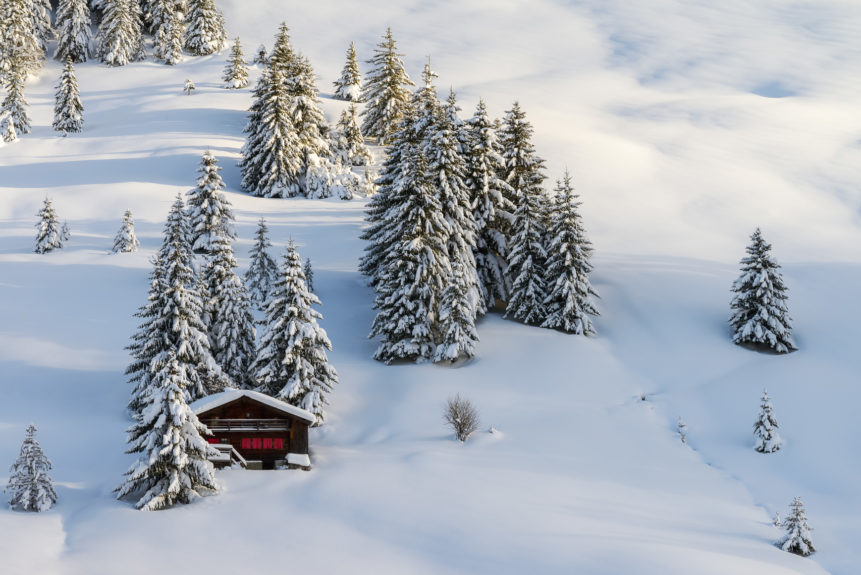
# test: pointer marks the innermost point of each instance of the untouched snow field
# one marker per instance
(685, 126)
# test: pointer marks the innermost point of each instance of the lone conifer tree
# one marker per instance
(30, 488)
(236, 71)
(797, 539)
(456, 319)
(231, 326)
(205, 33)
(291, 359)
(569, 302)
(349, 85)
(49, 236)
(120, 34)
(74, 33)
(759, 308)
(68, 109)
(14, 106)
(126, 241)
(209, 213)
(386, 91)
(173, 466)
(765, 429)
(262, 271)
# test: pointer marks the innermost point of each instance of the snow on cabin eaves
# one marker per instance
(209, 402)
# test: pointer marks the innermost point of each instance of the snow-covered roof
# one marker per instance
(209, 402)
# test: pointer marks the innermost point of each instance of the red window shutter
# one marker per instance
(267, 443)
(255, 443)
(279, 443)
(213, 440)
(246, 443)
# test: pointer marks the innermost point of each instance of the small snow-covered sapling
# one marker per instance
(189, 87)
(683, 430)
(797, 538)
(30, 488)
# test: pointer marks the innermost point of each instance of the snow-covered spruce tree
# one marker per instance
(126, 241)
(759, 308)
(309, 275)
(797, 539)
(68, 109)
(386, 91)
(30, 488)
(20, 44)
(570, 301)
(456, 318)
(74, 31)
(209, 213)
(349, 85)
(40, 11)
(765, 428)
(231, 325)
(307, 117)
(14, 106)
(348, 145)
(412, 273)
(167, 22)
(527, 253)
(205, 33)
(48, 236)
(65, 232)
(120, 34)
(260, 56)
(262, 270)
(492, 210)
(173, 466)
(236, 71)
(291, 359)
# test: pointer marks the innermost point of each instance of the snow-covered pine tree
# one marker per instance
(167, 22)
(411, 275)
(40, 11)
(349, 85)
(147, 343)
(386, 91)
(49, 236)
(348, 143)
(759, 308)
(527, 253)
(231, 325)
(260, 55)
(74, 31)
(173, 466)
(570, 301)
(262, 270)
(20, 44)
(209, 213)
(309, 275)
(291, 359)
(456, 319)
(14, 106)
(236, 71)
(797, 539)
(30, 488)
(8, 128)
(306, 116)
(120, 34)
(492, 210)
(65, 232)
(205, 33)
(126, 241)
(189, 87)
(68, 109)
(765, 428)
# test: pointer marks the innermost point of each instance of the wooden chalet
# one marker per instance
(254, 430)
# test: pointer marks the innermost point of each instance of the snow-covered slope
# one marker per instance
(685, 126)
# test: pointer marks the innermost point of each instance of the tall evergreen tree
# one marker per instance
(120, 34)
(68, 109)
(209, 213)
(349, 85)
(306, 117)
(492, 208)
(291, 359)
(765, 428)
(205, 33)
(797, 539)
(348, 144)
(386, 91)
(20, 45)
(40, 12)
(30, 488)
(456, 319)
(167, 22)
(569, 302)
(49, 235)
(14, 106)
(231, 326)
(236, 71)
(759, 308)
(262, 271)
(74, 31)
(173, 466)
(126, 241)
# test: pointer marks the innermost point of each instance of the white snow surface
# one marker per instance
(685, 126)
(217, 399)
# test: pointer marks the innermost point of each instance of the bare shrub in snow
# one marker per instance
(462, 416)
